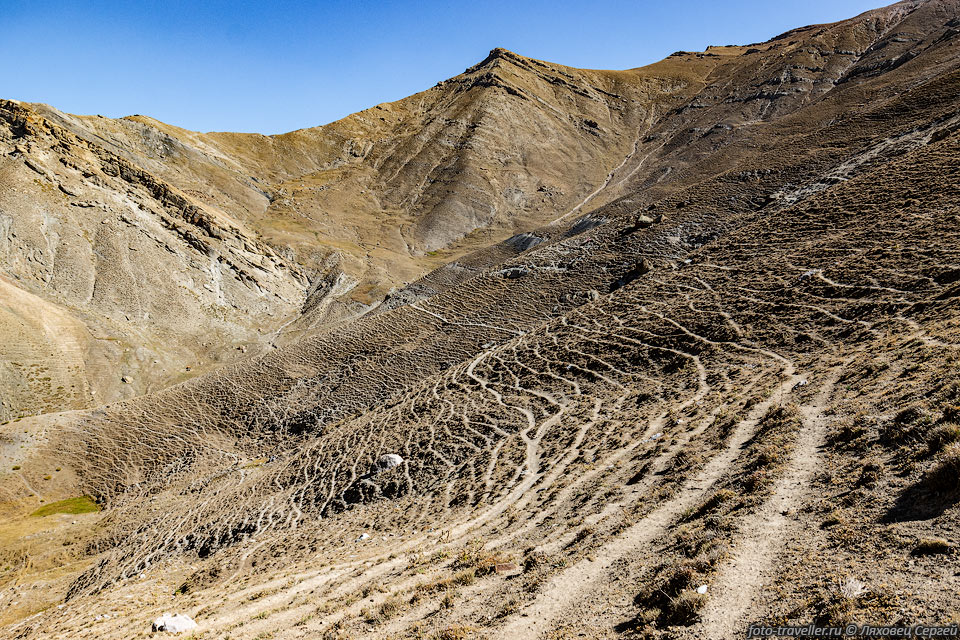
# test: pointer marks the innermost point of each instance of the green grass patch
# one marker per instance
(83, 504)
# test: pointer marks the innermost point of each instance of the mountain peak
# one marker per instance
(496, 54)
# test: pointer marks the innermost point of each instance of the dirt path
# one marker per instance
(613, 172)
(581, 579)
(743, 576)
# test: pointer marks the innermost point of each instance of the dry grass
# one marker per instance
(944, 477)
(671, 598)
(389, 608)
(456, 632)
(461, 578)
(475, 557)
(933, 547)
(941, 436)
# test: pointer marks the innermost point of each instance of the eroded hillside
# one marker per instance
(708, 332)
(244, 240)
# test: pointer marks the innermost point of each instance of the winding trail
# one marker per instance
(613, 172)
(581, 579)
(743, 576)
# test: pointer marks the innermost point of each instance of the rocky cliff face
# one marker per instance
(147, 281)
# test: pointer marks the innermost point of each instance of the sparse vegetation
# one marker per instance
(480, 561)
(671, 599)
(941, 436)
(388, 608)
(457, 632)
(83, 504)
(833, 519)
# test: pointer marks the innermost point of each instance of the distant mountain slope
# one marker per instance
(324, 223)
(247, 234)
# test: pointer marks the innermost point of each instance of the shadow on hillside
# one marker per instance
(920, 502)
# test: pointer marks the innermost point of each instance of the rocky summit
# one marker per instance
(538, 352)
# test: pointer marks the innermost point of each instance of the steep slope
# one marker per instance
(151, 281)
(731, 354)
(321, 223)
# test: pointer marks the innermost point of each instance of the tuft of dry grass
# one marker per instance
(456, 632)
(716, 500)
(944, 477)
(462, 578)
(449, 600)
(834, 518)
(870, 473)
(932, 547)
(389, 608)
(672, 599)
(684, 609)
(942, 436)
(475, 557)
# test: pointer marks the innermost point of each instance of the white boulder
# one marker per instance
(174, 623)
(386, 461)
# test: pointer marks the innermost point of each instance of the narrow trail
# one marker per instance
(613, 172)
(31, 489)
(743, 576)
(581, 579)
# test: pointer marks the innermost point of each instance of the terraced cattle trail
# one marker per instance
(596, 417)
(767, 531)
(578, 582)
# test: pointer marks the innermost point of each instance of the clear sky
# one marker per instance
(270, 67)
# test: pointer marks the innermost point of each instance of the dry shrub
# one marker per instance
(941, 436)
(848, 435)
(768, 455)
(951, 413)
(834, 518)
(757, 481)
(869, 474)
(462, 578)
(932, 547)
(905, 428)
(672, 599)
(909, 415)
(684, 609)
(389, 608)
(481, 561)
(944, 477)
(536, 559)
(456, 632)
(715, 500)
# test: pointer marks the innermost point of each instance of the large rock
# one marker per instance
(385, 462)
(174, 623)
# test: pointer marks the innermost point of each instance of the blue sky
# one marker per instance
(272, 67)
